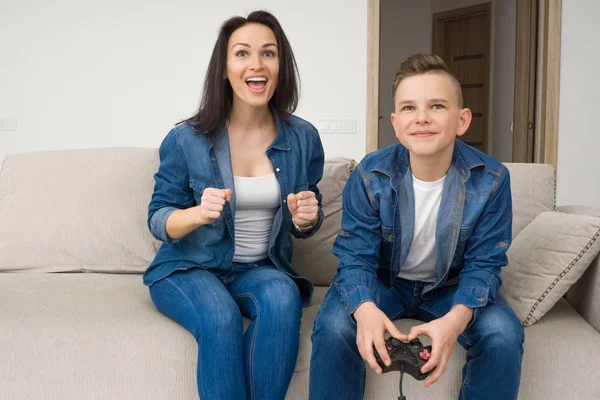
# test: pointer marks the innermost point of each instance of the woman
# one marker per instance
(234, 182)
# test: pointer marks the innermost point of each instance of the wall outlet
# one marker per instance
(8, 124)
(344, 125)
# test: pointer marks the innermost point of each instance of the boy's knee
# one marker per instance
(333, 325)
(503, 329)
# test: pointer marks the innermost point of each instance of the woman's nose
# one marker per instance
(256, 62)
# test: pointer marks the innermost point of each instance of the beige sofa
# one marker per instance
(77, 323)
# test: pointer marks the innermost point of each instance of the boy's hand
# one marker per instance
(371, 324)
(443, 333)
(304, 207)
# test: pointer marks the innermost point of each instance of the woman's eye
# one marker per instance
(269, 54)
(241, 53)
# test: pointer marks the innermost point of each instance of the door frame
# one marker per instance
(550, 79)
(524, 121)
(438, 19)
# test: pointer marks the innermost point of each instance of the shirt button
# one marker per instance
(284, 200)
(277, 169)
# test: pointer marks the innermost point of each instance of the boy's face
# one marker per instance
(427, 118)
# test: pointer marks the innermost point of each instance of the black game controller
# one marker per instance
(406, 357)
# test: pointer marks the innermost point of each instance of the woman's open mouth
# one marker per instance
(257, 84)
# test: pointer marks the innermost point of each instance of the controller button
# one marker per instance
(424, 354)
(396, 342)
(388, 347)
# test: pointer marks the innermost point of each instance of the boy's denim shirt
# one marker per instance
(473, 230)
(191, 161)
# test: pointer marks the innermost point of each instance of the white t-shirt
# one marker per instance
(420, 262)
(256, 203)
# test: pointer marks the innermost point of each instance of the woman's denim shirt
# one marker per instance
(191, 161)
(473, 229)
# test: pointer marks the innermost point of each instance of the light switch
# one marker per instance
(342, 125)
(323, 126)
(8, 124)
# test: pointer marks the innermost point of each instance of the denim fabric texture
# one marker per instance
(494, 343)
(473, 231)
(191, 161)
(232, 365)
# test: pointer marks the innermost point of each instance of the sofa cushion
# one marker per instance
(545, 259)
(313, 257)
(101, 329)
(98, 336)
(77, 210)
(584, 295)
(533, 191)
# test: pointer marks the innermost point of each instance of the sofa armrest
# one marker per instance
(584, 295)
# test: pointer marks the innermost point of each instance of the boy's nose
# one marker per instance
(423, 116)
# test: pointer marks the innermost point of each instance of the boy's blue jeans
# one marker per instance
(232, 365)
(494, 344)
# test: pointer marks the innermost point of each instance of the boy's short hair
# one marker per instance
(419, 64)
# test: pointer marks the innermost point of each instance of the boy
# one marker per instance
(425, 229)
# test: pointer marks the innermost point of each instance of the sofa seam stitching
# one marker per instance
(561, 275)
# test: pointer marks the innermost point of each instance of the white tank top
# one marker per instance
(256, 202)
(420, 262)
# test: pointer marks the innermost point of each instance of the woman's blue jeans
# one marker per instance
(232, 365)
(494, 343)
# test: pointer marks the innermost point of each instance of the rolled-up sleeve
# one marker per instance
(171, 189)
(316, 164)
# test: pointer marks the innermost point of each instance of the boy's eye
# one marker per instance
(241, 53)
(437, 106)
(408, 108)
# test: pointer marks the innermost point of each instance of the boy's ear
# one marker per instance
(464, 121)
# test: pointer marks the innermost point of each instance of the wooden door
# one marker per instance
(462, 38)
(525, 82)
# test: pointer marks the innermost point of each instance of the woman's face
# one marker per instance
(252, 64)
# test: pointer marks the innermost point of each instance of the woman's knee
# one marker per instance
(201, 309)
(221, 316)
(278, 294)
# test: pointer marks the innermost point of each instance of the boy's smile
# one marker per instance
(427, 117)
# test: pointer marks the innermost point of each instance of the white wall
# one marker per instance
(578, 131)
(405, 30)
(82, 73)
